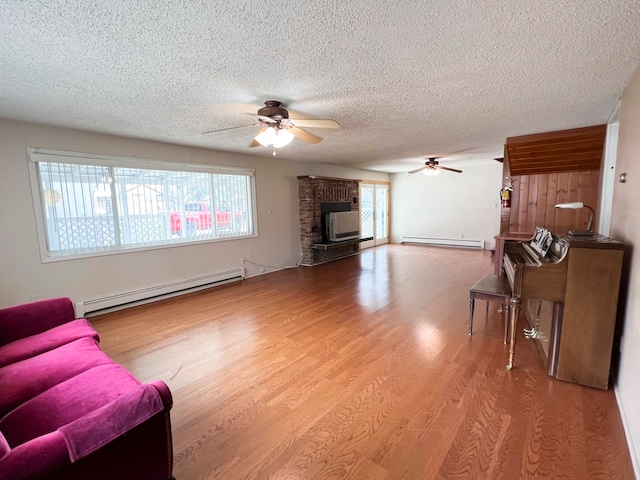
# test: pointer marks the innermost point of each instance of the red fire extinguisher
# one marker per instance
(505, 196)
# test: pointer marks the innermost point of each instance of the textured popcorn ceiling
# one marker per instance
(403, 78)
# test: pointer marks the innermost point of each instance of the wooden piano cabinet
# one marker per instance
(570, 304)
(545, 323)
(500, 241)
(589, 315)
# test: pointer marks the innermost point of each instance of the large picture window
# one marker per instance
(89, 204)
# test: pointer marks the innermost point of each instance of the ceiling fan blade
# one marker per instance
(417, 170)
(264, 118)
(304, 135)
(317, 123)
(267, 119)
(229, 128)
(440, 167)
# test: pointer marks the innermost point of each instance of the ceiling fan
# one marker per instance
(432, 168)
(279, 130)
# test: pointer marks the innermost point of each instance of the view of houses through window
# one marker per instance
(95, 208)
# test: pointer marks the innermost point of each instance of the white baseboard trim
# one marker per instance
(146, 295)
(446, 242)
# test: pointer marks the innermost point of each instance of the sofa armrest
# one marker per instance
(43, 456)
(32, 318)
(103, 425)
(164, 392)
(37, 458)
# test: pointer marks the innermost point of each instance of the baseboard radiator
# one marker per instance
(446, 242)
(146, 295)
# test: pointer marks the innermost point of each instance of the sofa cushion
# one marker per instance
(24, 380)
(67, 401)
(43, 342)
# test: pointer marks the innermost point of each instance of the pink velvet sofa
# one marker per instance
(67, 411)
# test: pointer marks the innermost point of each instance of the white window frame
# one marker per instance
(36, 155)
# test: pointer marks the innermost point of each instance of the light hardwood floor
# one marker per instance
(362, 368)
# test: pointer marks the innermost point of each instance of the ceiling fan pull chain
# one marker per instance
(274, 150)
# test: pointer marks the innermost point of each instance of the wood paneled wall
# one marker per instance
(535, 196)
(575, 150)
(550, 168)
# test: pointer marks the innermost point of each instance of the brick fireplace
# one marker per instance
(313, 193)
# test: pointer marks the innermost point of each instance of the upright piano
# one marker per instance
(568, 286)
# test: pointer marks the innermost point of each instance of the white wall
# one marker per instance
(22, 274)
(608, 178)
(448, 205)
(625, 226)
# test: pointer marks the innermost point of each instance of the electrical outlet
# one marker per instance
(34, 298)
(262, 270)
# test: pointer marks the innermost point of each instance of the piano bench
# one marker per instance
(491, 287)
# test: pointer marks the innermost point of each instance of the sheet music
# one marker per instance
(541, 241)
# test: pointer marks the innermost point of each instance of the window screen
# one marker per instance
(90, 207)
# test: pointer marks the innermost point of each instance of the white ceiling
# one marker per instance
(404, 79)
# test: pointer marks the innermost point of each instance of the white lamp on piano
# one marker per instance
(575, 206)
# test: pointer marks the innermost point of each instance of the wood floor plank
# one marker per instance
(473, 448)
(359, 369)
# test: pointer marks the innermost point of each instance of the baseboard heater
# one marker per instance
(446, 242)
(98, 306)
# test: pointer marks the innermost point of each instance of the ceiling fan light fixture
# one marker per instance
(266, 136)
(278, 137)
(283, 137)
(430, 172)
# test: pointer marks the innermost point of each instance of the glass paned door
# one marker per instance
(374, 213)
(382, 213)
(367, 211)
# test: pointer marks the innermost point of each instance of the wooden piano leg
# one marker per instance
(514, 312)
(505, 312)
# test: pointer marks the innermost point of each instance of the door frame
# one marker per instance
(376, 241)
